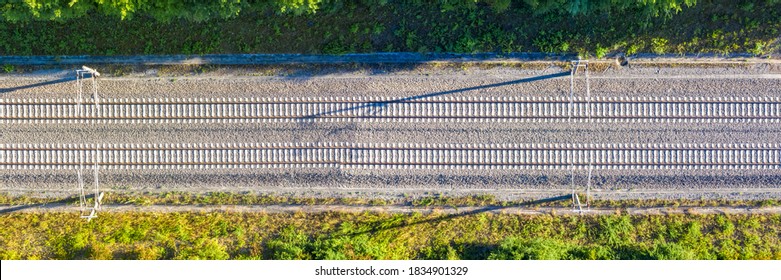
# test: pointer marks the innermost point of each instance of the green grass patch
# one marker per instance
(425, 200)
(335, 235)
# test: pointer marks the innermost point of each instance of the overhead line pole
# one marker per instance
(98, 196)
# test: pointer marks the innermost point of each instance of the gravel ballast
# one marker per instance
(758, 81)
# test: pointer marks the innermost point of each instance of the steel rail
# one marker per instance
(755, 109)
(558, 156)
(364, 99)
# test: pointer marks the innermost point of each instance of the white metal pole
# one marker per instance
(79, 89)
(82, 198)
(588, 94)
(97, 193)
(575, 201)
(571, 89)
(95, 86)
(588, 188)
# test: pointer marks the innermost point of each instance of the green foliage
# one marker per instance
(202, 10)
(347, 247)
(671, 251)
(659, 45)
(575, 7)
(298, 7)
(515, 248)
(8, 68)
(57, 10)
(499, 6)
(439, 251)
(616, 230)
(601, 51)
(204, 249)
(633, 49)
(758, 49)
(334, 235)
(290, 244)
(593, 252)
(164, 10)
(551, 42)
(53, 27)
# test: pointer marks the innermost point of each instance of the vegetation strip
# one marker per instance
(398, 209)
(429, 200)
(598, 29)
(340, 235)
(272, 59)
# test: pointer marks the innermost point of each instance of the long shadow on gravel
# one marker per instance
(376, 106)
(62, 80)
(462, 214)
(41, 205)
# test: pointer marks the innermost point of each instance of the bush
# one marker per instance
(671, 251)
(290, 244)
(601, 51)
(659, 45)
(551, 42)
(202, 249)
(164, 10)
(338, 235)
(499, 6)
(202, 10)
(439, 251)
(593, 252)
(616, 231)
(298, 7)
(515, 248)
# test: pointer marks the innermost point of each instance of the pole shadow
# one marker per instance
(62, 80)
(42, 205)
(380, 105)
(462, 214)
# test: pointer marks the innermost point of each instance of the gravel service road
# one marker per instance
(710, 121)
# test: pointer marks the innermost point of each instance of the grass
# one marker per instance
(426, 200)
(334, 235)
(720, 26)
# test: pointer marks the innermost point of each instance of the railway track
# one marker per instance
(221, 110)
(390, 156)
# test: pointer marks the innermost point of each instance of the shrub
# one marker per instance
(499, 6)
(439, 251)
(659, 45)
(601, 51)
(515, 248)
(593, 252)
(633, 49)
(202, 249)
(671, 251)
(758, 49)
(551, 42)
(290, 244)
(616, 231)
